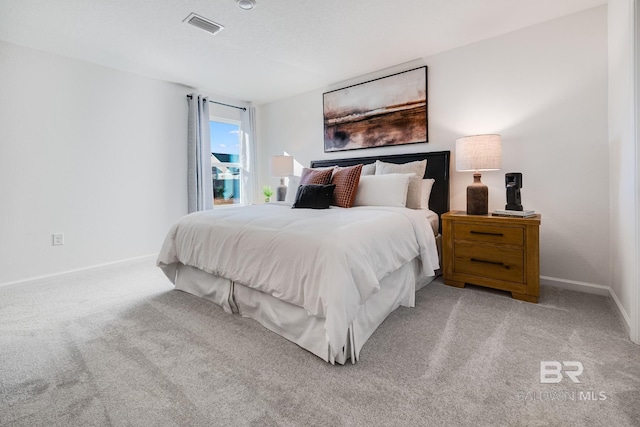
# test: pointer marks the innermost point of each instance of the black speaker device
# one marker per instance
(513, 182)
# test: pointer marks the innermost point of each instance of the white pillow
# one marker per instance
(418, 168)
(427, 185)
(383, 190)
(292, 189)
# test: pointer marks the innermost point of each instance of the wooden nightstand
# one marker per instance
(496, 252)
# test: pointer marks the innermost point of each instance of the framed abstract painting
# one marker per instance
(387, 111)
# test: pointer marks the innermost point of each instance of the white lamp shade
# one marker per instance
(281, 166)
(479, 153)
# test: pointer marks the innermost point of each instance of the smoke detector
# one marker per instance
(203, 23)
(246, 4)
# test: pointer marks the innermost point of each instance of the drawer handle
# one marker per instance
(484, 261)
(486, 233)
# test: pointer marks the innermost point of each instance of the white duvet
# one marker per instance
(327, 261)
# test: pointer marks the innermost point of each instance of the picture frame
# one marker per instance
(387, 111)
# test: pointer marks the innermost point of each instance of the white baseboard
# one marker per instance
(62, 273)
(573, 285)
(590, 288)
(626, 319)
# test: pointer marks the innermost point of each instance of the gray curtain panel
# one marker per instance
(248, 156)
(199, 154)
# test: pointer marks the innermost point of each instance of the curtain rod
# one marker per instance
(226, 105)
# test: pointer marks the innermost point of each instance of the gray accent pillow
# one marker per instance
(414, 193)
(369, 169)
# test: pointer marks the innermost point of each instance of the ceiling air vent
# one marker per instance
(203, 23)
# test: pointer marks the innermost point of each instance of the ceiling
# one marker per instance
(279, 49)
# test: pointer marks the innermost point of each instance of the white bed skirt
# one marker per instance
(293, 322)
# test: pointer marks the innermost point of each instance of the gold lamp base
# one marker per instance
(477, 197)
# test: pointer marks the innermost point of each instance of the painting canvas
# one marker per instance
(388, 111)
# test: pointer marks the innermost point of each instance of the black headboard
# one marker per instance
(437, 168)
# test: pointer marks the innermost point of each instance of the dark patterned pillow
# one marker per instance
(316, 176)
(346, 181)
(314, 196)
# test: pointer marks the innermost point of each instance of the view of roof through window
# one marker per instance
(225, 162)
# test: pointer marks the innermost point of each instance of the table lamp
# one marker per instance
(478, 153)
(281, 166)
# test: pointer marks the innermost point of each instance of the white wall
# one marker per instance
(635, 303)
(87, 151)
(623, 159)
(544, 88)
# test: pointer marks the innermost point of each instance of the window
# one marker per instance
(226, 166)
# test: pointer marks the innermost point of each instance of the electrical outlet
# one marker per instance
(57, 239)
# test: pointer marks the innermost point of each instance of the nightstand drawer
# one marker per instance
(489, 261)
(489, 233)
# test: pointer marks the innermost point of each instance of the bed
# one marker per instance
(318, 277)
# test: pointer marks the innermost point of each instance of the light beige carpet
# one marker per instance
(117, 346)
